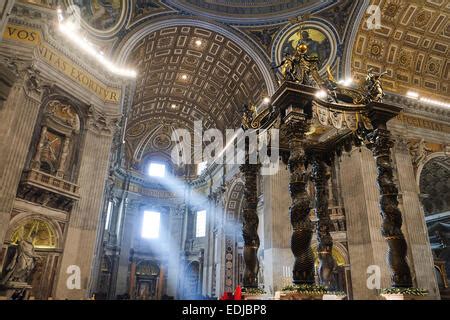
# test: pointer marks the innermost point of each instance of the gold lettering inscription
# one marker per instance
(61, 63)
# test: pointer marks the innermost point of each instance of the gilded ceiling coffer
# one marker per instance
(250, 225)
(320, 177)
(380, 143)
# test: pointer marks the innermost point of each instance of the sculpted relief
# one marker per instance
(64, 114)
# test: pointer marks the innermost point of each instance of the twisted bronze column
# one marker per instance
(381, 142)
(303, 272)
(327, 264)
(250, 225)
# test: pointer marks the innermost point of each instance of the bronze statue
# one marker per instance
(327, 269)
(287, 68)
(248, 114)
(374, 87)
(301, 67)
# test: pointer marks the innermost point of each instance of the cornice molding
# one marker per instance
(415, 107)
(256, 20)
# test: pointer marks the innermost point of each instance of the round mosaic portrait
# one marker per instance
(101, 15)
(317, 40)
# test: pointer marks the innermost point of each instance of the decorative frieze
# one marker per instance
(422, 123)
(52, 53)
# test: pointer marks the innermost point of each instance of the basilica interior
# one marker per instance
(351, 97)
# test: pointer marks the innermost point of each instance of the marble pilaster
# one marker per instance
(5, 9)
(420, 255)
(277, 231)
(175, 228)
(131, 215)
(85, 215)
(209, 249)
(366, 246)
(18, 113)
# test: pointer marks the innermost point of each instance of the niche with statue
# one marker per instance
(50, 179)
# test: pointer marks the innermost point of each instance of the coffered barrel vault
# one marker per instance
(412, 45)
(189, 73)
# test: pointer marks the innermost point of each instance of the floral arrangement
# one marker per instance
(305, 288)
(311, 289)
(408, 291)
(253, 291)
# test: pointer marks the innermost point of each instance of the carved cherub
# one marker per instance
(249, 112)
(373, 86)
(419, 151)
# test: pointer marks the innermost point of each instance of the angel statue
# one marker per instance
(374, 87)
(419, 151)
(249, 112)
(287, 68)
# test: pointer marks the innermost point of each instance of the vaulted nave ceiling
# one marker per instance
(412, 46)
(195, 71)
(188, 73)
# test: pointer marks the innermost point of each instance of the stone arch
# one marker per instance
(23, 218)
(340, 253)
(191, 288)
(347, 58)
(433, 177)
(425, 161)
(147, 268)
(47, 264)
(250, 12)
